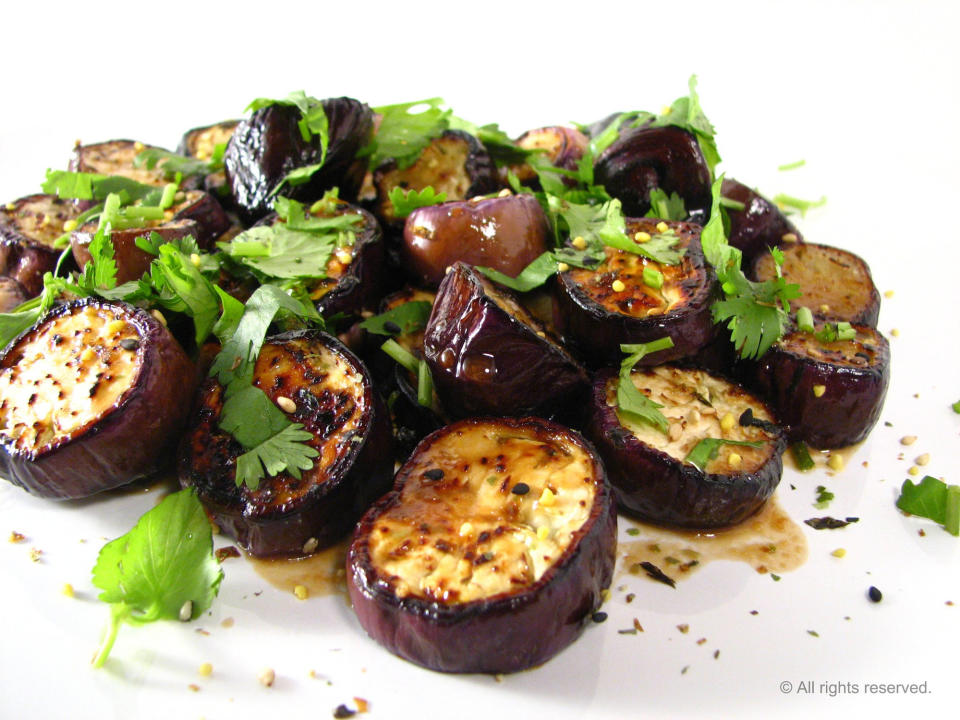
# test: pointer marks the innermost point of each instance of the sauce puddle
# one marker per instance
(322, 574)
(770, 541)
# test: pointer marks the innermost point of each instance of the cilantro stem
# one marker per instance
(951, 514)
(118, 613)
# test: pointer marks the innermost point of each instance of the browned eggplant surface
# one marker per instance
(651, 470)
(456, 163)
(28, 229)
(131, 261)
(116, 157)
(759, 225)
(269, 144)
(836, 284)
(94, 396)
(12, 294)
(491, 552)
(645, 158)
(489, 356)
(201, 142)
(504, 233)
(828, 394)
(562, 147)
(320, 384)
(597, 310)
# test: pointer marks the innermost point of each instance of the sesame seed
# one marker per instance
(506, 192)
(599, 617)
(301, 592)
(562, 267)
(839, 553)
(923, 459)
(579, 243)
(835, 461)
(205, 670)
(267, 677)
(618, 286)
(662, 227)
(310, 546)
(908, 439)
(465, 529)
(186, 611)
(888, 294)
(286, 404)
(641, 236)
(70, 226)
(789, 237)
(874, 594)
(819, 390)
(521, 488)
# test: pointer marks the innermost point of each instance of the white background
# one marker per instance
(865, 92)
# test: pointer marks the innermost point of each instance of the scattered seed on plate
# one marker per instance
(874, 594)
(267, 677)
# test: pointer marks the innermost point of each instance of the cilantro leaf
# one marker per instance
(932, 499)
(707, 448)
(666, 207)
(277, 251)
(824, 497)
(533, 275)
(163, 569)
(100, 272)
(174, 163)
(402, 134)
(686, 113)
(632, 404)
(92, 186)
(404, 319)
(406, 201)
(285, 451)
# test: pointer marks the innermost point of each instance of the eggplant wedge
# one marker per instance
(505, 233)
(691, 474)
(319, 383)
(92, 397)
(491, 552)
(455, 163)
(562, 147)
(132, 262)
(645, 158)
(759, 225)
(269, 145)
(489, 356)
(597, 310)
(29, 228)
(829, 393)
(836, 284)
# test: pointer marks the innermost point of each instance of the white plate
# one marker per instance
(866, 94)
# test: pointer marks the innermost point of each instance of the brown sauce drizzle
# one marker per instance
(322, 574)
(770, 541)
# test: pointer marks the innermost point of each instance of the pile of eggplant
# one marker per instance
(517, 425)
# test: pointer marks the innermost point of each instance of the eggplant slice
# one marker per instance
(595, 318)
(93, 397)
(489, 356)
(28, 229)
(836, 284)
(491, 552)
(505, 233)
(132, 262)
(455, 163)
(332, 396)
(828, 394)
(760, 225)
(116, 157)
(562, 147)
(651, 474)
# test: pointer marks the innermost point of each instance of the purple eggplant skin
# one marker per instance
(12, 294)
(504, 233)
(563, 147)
(487, 361)
(132, 262)
(505, 633)
(645, 158)
(267, 146)
(207, 212)
(651, 485)
(455, 163)
(596, 330)
(760, 225)
(827, 395)
(286, 516)
(133, 438)
(28, 228)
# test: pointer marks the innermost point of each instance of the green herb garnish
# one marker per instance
(792, 166)
(686, 113)
(785, 202)
(401, 320)
(824, 497)
(632, 404)
(668, 207)
(403, 135)
(801, 456)
(163, 569)
(932, 499)
(418, 367)
(406, 201)
(707, 448)
(956, 407)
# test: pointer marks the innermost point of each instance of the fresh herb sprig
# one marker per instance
(707, 449)
(632, 404)
(406, 201)
(932, 499)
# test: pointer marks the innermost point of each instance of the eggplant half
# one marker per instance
(489, 356)
(12, 294)
(455, 163)
(504, 233)
(491, 552)
(828, 393)
(317, 382)
(668, 477)
(269, 145)
(759, 225)
(836, 284)
(645, 158)
(597, 310)
(92, 397)
(561, 146)
(28, 229)
(117, 157)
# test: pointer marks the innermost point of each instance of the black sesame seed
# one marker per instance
(392, 327)
(57, 339)
(433, 474)
(343, 711)
(599, 616)
(129, 344)
(521, 488)
(874, 594)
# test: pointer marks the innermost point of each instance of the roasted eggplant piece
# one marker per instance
(491, 552)
(505, 233)
(116, 157)
(489, 356)
(562, 147)
(828, 393)
(759, 225)
(132, 262)
(12, 294)
(92, 397)
(597, 310)
(456, 163)
(319, 383)
(645, 158)
(202, 142)
(28, 229)
(267, 146)
(836, 284)
(657, 476)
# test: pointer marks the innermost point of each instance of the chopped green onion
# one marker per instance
(402, 356)
(951, 517)
(424, 385)
(805, 319)
(794, 203)
(732, 204)
(801, 456)
(845, 331)
(793, 165)
(652, 278)
(169, 192)
(956, 407)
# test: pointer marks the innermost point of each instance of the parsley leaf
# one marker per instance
(406, 201)
(706, 450)
(932, 499)
(163, 569)
(632, 404)
(405, 319)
